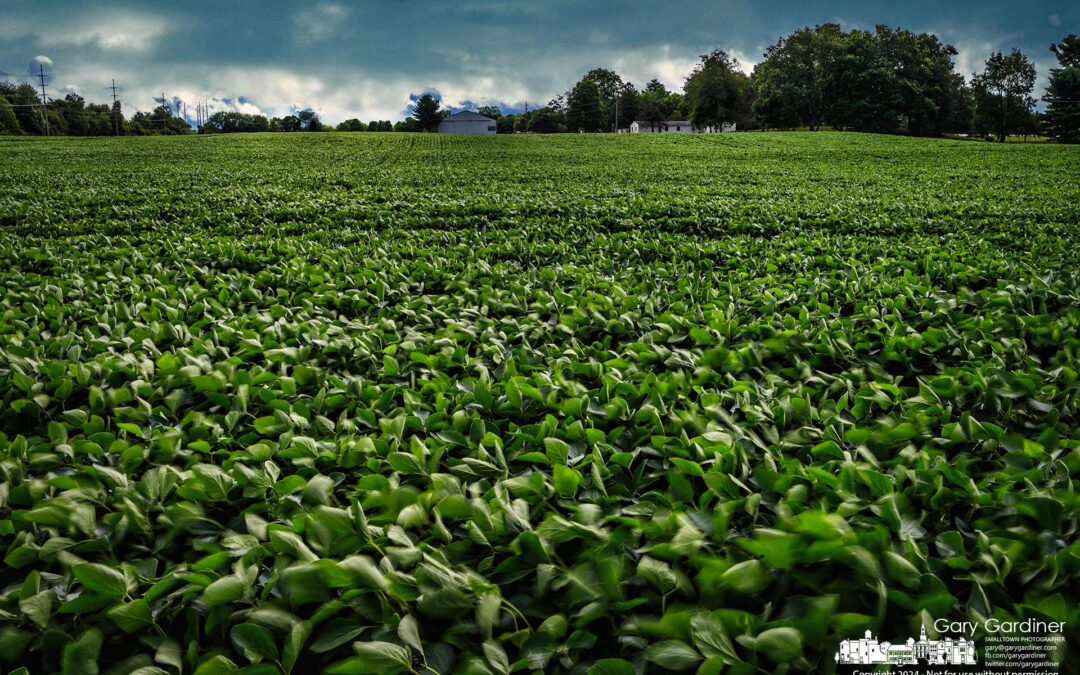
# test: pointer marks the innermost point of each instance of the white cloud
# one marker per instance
(971, 57)
(119, 33)
(43, 60)
(320, 23)
(108, 31)
(662, 64)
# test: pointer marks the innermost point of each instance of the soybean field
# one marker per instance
(382, 403)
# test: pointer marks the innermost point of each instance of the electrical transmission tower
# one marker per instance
(44, 101)
(116, 120)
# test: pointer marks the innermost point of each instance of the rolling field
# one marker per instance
(391, 403)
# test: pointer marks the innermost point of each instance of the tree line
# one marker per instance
(884, 81)
(21, 113)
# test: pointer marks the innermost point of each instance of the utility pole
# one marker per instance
(116, 121)
(44, 101)
(164, 117)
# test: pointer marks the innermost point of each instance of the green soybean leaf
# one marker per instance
(673, 655)
(254, 642)
(133, 616)
(104, 580)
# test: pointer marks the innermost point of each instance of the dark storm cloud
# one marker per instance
(367, 58)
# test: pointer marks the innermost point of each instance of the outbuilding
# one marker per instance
(467, 122)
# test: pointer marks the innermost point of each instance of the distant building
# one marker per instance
(467, 122)
(677, 127)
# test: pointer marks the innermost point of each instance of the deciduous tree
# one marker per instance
(1003, 93)
(584, 110)
(8, 122)
(714, 89)
(793, 78)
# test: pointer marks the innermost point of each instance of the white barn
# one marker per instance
(677, 127)
(467, 122)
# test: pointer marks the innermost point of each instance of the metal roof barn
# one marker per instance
(467, 122)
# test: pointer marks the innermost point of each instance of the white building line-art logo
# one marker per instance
(868, 650)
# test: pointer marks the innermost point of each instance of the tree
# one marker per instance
(489, 111)
(628, 106)
(57, 123)
(651, 111)
(158, 121)
(426, 113)
(236, 122)
(98, 119)
(656, 105)
(1067, 52)
(607, 81)
(714, 90)
(1003, 93)
(290, 123)
(309, 120)
(793, 78)
(505, 124)
(1063, 93)
(26, 106)
(407, 124)
(882, 81)
(744, 114)
(958, 109)
(864, 85)
(73, 109)
(609, 84)
(9, 124)
(543, 121)
(584, 110)
(922, 80)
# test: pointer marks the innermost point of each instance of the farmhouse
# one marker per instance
(467, 122)
(676, 127)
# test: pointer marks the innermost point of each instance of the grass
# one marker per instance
(383, 402)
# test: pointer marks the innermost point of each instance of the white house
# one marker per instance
(467, 122)
(676, 127)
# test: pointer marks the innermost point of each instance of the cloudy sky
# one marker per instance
(370, 58)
